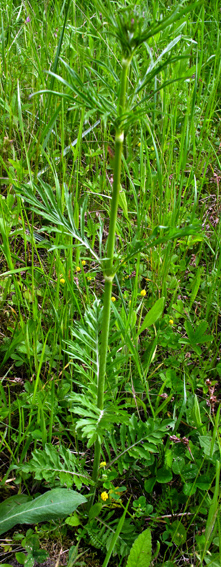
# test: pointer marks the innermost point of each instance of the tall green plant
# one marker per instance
(109, 263)
(131, 29)
(128, 28)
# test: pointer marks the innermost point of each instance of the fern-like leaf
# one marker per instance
(140, 440)
(94, 422)
(55, 464)
(84, 348)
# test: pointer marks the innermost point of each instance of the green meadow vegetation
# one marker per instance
(110, 283)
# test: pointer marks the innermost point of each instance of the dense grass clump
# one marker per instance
(110, 283)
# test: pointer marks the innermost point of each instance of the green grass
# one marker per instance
(160, 438)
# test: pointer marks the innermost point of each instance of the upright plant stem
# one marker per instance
(108, 267)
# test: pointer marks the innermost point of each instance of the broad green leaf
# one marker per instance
(56, 503)
(178, 464)
(154, 314)
(21, 557)
(190, 471)
(95, 510)
(10, 505)
(164, 475)
(189, 489)
(73, 520)
(204, 482)
(168, 458)
(140, 553)
(205, 443)
(149, 484)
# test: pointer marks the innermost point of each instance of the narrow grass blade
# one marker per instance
(115, 537)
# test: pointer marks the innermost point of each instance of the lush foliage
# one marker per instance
(109, 284)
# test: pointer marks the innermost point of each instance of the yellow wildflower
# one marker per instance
(113, 299)
(104, 496)
(103, 464)
(62, 281)
(143, 293)
(78, 269)
(139, 144)
(171, 322)
(83, 262)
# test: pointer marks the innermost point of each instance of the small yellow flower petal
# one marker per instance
(104, 496)
(62, 281)
(139, 144)
(78, 269)
(103, 464)
(83, 262)
(113, 299)
(171, 322)
(143, 293)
